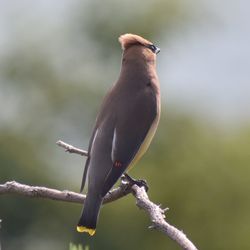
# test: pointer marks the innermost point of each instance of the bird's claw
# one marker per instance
(142, 183)
(132, 181)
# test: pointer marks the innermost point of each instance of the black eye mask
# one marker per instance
(153, 48)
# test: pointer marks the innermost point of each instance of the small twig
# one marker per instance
(71, 149)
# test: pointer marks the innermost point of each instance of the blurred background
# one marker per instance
(59, 58)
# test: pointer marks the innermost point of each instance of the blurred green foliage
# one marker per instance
(77, 247)
(197, 170)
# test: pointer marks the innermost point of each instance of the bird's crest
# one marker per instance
(128, 40)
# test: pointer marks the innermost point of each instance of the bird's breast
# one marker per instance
(151, 132)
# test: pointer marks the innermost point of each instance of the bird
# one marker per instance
(126, 123)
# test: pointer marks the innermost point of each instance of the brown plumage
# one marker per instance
(127, 40)
(124, 127)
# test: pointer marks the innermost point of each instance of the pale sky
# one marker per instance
(208, 67)
(204, 69)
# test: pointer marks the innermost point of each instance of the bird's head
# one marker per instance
(134, 46)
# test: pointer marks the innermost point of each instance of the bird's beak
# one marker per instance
(157, 50)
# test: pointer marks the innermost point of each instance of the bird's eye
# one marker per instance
(152, 47)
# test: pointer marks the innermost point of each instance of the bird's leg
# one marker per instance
(140, 183)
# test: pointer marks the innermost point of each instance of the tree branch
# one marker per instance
(155, 212)
(157, 217)
(13, 187)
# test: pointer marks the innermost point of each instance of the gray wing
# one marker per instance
(88, 159)
(103, 110)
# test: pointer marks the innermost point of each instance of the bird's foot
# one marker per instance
(132, 181)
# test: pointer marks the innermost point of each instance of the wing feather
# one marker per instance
(130, 132)
(92, 140)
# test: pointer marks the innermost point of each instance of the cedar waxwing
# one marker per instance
(124, 127)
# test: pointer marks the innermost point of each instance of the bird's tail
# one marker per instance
(89, 217)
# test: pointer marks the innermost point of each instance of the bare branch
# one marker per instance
(157, 217)
(71, 149)
(156, 213)
(13, 187)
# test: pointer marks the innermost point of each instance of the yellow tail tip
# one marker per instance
(82, 229)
